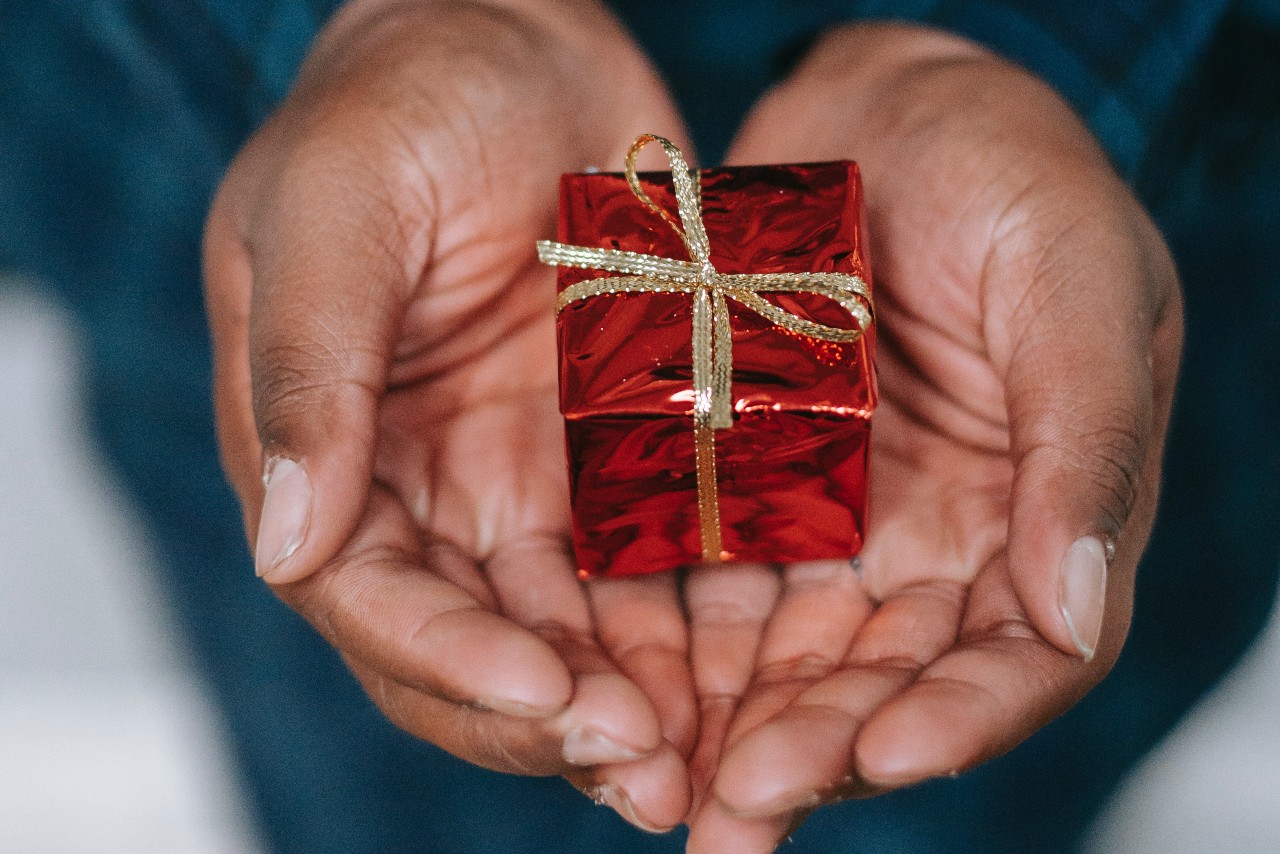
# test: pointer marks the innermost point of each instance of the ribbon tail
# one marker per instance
(704, 443)
(703, 358)
(721, 365)
(704, 434)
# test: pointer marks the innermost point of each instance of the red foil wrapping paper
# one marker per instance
(792, 470)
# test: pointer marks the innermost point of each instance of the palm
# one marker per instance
(468, 432)
(941, 466)
(932, 660)
(940, 481)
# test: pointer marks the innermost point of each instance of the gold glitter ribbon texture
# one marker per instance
(711, 290)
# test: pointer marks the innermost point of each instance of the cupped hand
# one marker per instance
(1029, 333)
(386, 387)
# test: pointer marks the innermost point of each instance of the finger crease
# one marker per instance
(720, 698)
(895, 664)
(622, 652)
(809, 666)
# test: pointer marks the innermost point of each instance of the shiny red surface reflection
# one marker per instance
(792, 470)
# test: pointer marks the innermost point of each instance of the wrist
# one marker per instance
(566, 52)
(872, 51)
(867, 90)
(879, 70)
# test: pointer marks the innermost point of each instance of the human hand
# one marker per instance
(1029, 333)
(384, 344)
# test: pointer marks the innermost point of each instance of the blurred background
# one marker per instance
(102, 717)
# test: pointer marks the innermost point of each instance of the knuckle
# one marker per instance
(319, 600)
(1109, 459)
(1102, 449)
(282, 386)
(308, 377)
(1016, 645)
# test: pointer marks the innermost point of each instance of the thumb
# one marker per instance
(328, 282)
(1094, 345)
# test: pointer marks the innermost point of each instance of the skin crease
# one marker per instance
(378, 317)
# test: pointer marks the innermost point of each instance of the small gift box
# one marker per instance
(715, 370)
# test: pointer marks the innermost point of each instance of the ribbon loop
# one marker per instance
(636, 272)
(688, 200)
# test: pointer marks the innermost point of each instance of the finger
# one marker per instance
(659, 784)
(714, 830)
(536, 584)
(714, 719)
(484, 737)
(475, 683)
(1000, 683)
(228, 281)
(610, 720)
(331, 270)
(642, 627)
(1081, 364)
(727, 608)
(941, 507)
(821, 607)
(388, 604)
(650, 793)
(803, 755)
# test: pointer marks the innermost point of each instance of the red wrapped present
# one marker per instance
(715, 372)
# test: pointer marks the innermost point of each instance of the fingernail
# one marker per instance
(614, 797)
(584, 746)
(286, 513)
(1082, 592)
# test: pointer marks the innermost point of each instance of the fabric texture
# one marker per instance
(119, 119)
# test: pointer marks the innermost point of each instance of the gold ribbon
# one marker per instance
(711, 290)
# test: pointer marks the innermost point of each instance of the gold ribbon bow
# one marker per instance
(711, 290)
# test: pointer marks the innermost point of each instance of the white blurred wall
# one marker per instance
(1214, 786)
(107, 743)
